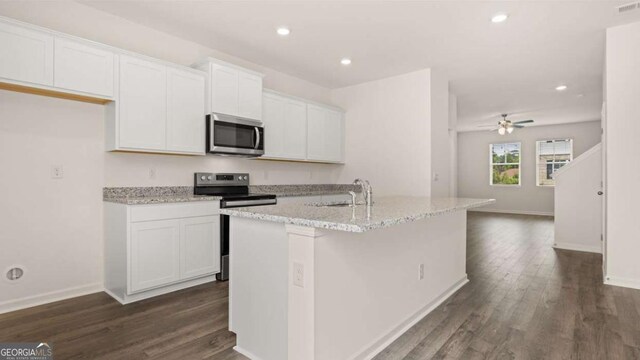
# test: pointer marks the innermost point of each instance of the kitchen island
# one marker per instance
(317, 281)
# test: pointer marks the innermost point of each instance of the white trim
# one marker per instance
(246, 353)
(380, 344)
(623, 282)
(578, 247)
(128, 299)
(516, 212)
(267, 91)
(40, 299)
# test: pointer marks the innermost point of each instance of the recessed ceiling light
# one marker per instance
(283, 31)
(498, 18)
(345, 61)
(561, 87)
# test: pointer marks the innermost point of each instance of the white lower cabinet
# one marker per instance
(155, 254)
(198, 254)
(155, 249)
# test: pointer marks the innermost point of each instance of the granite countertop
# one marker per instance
(174, 194)
(145, 200)
(385, 212)
(303, 190)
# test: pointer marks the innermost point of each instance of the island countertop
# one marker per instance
(385, 212)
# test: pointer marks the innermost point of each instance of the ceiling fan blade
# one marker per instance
(518, 126)
(494, 129)
(522, 122)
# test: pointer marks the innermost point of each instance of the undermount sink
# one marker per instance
(338, 204)
(330, 204)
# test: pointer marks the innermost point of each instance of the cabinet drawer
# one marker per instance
(173, 211)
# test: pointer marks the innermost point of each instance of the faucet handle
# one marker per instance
(353, 198)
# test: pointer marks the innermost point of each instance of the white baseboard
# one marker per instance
(246, 353)
(516, 212)
(40, 299)
(578, 247)
(377, 346)
(622, 282)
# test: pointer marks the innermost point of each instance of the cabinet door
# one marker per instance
(83, 68)
(315, 132)
(185, 111)
(249, 96)
(143, 104)
(224, 90)
(333, 133)
(295, 129)
(199, 246)
(324, 134)
(155, 254)
(274, 125)
(26, 55)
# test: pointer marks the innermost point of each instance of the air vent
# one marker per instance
(14, 274)
(628, 7)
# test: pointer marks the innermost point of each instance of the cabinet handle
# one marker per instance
(600, 193)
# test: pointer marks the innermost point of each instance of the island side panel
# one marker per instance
(367, 286)
(258, 287)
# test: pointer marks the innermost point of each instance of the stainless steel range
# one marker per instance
(234, 190)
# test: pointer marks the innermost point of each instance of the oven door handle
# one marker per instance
(257, 130)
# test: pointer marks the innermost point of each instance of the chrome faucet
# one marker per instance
(367, 192)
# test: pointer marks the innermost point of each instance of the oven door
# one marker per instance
(227, 135)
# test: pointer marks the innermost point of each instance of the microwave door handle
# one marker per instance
(257, 130)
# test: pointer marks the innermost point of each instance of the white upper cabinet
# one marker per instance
(26, 55)
(285, 122)
(325, 134)
(159, 108)
(224, 90)
(233, 90)
(142, 104)
(185, 111)
(249, 96)
(83, 68)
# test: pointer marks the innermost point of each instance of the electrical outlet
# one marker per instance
(57, 172)
(298, 274)
(421, 272)
(152, 173)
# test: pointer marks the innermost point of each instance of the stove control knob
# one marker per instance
(209, 177)
(203, 177)
(246, 177)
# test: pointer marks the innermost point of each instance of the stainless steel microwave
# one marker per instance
(234, 136)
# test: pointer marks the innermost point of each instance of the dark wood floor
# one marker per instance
(524, 301)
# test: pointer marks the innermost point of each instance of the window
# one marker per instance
(505, 164)
(551, 155)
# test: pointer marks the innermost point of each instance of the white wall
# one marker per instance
(453, 145)
(577, 205)
(622, 151)
(473, 165)
(389, 127)
(440, 144)
(54, 227)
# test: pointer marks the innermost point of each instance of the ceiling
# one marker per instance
(510, 67)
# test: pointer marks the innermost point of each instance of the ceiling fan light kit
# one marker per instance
(507, 126)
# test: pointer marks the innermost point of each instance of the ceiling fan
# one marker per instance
(507, 126)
